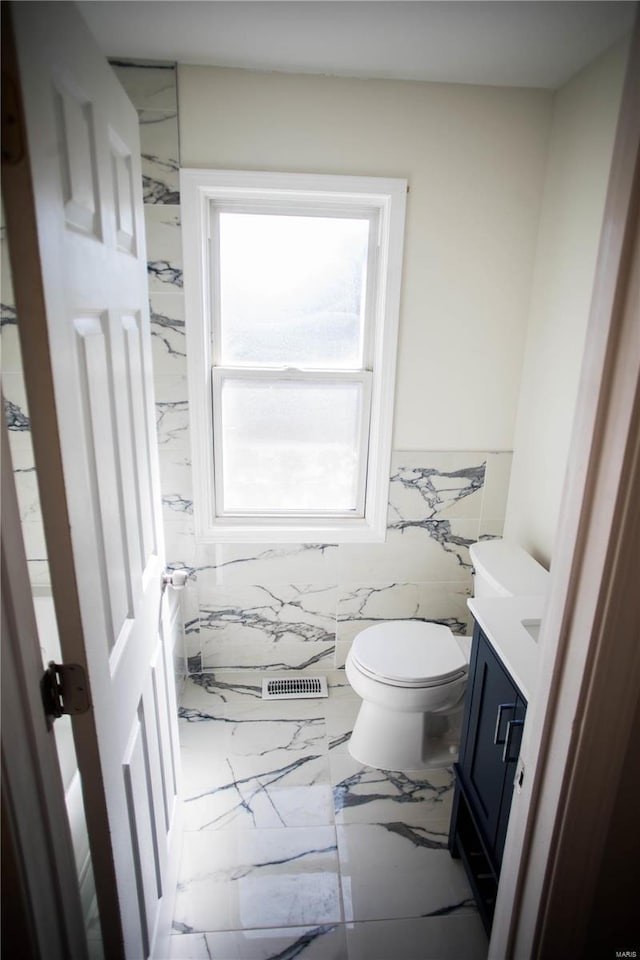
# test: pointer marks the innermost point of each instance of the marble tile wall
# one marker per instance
(299, 606)
(293, 606)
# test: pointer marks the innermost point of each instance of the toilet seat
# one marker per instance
(409, 654)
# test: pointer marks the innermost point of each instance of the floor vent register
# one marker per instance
(294, 688)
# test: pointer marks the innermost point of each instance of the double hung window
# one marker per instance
(292, 288)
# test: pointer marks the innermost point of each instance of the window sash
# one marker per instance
(220, 374)
(294, 208)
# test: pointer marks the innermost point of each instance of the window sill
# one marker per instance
(330, 532)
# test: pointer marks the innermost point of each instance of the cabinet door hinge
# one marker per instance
(64, 690)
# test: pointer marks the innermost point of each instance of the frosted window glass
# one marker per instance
(292, 290)
(290, 445)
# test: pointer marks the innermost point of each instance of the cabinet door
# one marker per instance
(494, 704)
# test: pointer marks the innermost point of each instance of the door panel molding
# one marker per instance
(80, 281)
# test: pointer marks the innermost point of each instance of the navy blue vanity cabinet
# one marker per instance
(489, 747)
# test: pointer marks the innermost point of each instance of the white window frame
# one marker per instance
(381, 198)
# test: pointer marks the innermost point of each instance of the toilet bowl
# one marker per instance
(411, 676)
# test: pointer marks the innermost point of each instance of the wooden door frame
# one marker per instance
(544, 856)
(581, 722)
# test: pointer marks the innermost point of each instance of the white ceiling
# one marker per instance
(511, 42)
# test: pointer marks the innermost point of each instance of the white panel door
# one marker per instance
(83, 307)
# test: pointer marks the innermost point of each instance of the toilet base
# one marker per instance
(394, 740)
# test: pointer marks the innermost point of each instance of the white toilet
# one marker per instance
(412, 675)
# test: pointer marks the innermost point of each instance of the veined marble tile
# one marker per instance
(243, 793)
(179, 670)
(237, 563)
(364, 795)
(26, 481)
(242, 879)
(254, 767)
(458, 937)
(342, 652)
(175, 484)
(274, 628)
(6, 277)
(16, 415)
(180, 544)
(164, 248)
(341, 717)
(168, 341)
(361, 605)
(34, 542)
(194, 663)
(324, 942)
(20, 443)
(188, 596)
(340, 690)
(172, 425)
(257, 729)
(11, 359)
(282, 612)
(221, 651)
(192, 644)
(160, 156)
(210, 691)
(394, 870)
(18, 423)
(415, 550)
(149, 86)
(192, 648)
(436, 486)
(341, 710)
(179, 550)
(172, 414)
(217, 693)
(491, 528)
(16, 410)
(9, 340)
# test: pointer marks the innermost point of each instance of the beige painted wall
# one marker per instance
(582, 133)
(475, 161)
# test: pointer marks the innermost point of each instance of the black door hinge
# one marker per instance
(64, 690)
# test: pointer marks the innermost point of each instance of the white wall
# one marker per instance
(474, 158)
(582, 133)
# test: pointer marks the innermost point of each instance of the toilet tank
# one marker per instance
(504, 569)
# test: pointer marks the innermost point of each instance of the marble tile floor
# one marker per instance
(293, 849)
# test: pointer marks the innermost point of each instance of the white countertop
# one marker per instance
(500, 619)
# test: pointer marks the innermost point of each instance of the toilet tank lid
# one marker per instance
(509, 568)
